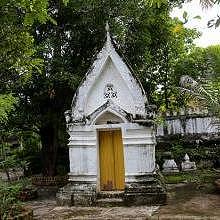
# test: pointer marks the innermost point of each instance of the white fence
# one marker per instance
(188, 122)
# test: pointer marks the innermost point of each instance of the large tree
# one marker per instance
(202, 66)
(17, 49)
(146, 35)
(199, 62)
(18, 58)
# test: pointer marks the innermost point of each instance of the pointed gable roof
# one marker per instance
(109, 69)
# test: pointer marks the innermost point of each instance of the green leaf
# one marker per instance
(65, 2)
(211, 23)
(156, 3)
(197, 17)
(185, 15)
(7, 103)
(53, 21)
(217, 23)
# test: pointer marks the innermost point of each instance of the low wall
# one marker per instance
(189, 122)
(194, 132)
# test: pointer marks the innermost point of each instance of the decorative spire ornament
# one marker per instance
(108, 41)
(107, 27)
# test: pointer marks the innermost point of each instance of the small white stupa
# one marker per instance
(187, 165)
(170, 166)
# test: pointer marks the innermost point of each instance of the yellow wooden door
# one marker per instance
(111, 158)
(106, 157)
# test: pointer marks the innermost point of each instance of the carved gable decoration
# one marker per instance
(108, 80)
(110, 92)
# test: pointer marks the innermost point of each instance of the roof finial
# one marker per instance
(108, 40)
(107, 27)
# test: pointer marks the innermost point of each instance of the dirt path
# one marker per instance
(184, 202)
(47, 211)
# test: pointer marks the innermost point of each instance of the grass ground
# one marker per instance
(198, 177)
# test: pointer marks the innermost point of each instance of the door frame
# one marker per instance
(106, 128)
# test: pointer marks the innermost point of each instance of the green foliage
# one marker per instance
(9, 202)
(201, 85)
(157, 3)
(17, 51)
(67, 48)
(30, 151)
(61, 170)
(199, 62)
(198, 177)
(174, 179)
(178, 152)
(25, 183)
(9, 156)
(185, 16)
(177, 43)
(7, 104)
(18, 58)
(197, 17)
(204, 154)
(10, 163)
(215, 22)
(206, 92)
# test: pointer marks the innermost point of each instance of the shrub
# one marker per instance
(9, 202)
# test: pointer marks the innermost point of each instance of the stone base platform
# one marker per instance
(144, 191)
(110, 198)
(77, 194)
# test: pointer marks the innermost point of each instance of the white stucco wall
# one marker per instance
(139, 150)
(194, 125)
(92, 110)
(110, 75)
(109, 68)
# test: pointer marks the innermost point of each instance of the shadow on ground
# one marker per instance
(185, 201)
(192, 199)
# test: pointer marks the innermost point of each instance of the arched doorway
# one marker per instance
(111, 160)
(109, 117)
(111, 153)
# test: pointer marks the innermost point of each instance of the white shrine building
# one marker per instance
(111, 137)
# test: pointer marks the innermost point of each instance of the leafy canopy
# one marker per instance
(7, 104)
(203, 84)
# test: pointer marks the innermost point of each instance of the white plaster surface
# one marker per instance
(106, 117)
(170, 166)
(83, 160)
(109, 71)
(187, 165)
(196, 125)
(139, 150)
(139, 159)
(109, 68)
(110, 74)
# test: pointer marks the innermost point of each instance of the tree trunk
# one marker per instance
(7, 174)
(166, 78)
(166, 96)
(49, 139)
